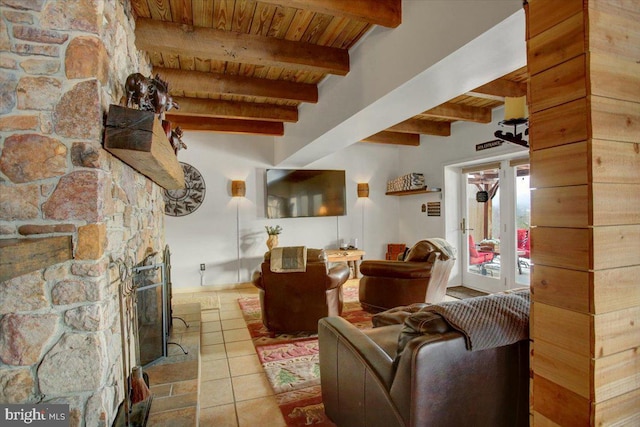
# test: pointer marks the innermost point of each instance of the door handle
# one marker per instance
(463, 226)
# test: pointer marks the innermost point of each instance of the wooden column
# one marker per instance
(584, 96)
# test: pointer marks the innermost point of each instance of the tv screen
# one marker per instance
(293, 193)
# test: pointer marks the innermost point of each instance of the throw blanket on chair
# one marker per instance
(292, 259)
(489, 321)
(444, 248)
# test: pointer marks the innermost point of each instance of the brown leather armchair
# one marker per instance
(422, 276)
(295, 301)
(417, 370)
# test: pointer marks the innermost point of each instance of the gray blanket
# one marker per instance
(490, 321)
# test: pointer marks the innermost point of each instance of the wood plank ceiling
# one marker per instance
(244, 66)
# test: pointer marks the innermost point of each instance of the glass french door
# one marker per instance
(523, 223)
(495, 225)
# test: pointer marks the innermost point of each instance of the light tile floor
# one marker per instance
(234, 391)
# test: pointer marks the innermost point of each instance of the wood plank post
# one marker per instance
(584, 100)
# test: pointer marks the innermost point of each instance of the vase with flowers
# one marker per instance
(272, 232)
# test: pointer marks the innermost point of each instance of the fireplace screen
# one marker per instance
(151, 303)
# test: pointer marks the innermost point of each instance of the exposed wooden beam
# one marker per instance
(501, 88)
(234, 110)
(424, 127)
(209, 43)
(21, 256)
(497, 98)
(387, 13)
(395, 138)
(451, 111)
(208, 124)
(224, 84)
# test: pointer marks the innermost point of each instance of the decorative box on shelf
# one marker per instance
(411, 181)
(137, 138)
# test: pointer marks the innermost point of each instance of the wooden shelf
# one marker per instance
(137, 138)
(22, 256)
(409, 192)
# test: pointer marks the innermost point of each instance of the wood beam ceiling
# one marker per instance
(500, 88)
(474, 106)
(386, 13)
(395, 138)
(234, 110)
(251, 60)
(421, 126)
(245, 66)
(450, 111)
(228, 84)
(176, 39)
(211, 124)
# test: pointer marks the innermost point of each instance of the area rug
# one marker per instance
(462, 292)
(291, 362)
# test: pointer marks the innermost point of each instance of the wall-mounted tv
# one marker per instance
(293, 193)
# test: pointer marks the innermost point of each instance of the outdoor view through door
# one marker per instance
(496, 225)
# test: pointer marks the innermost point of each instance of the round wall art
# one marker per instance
(185, 201)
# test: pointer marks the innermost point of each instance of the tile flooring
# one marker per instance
(234, 391)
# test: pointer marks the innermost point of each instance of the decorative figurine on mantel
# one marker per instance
(152, 94)
(176, 140)
(149, 94)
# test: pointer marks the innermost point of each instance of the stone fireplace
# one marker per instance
(62, 64)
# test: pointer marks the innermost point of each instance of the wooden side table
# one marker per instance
(350, 256)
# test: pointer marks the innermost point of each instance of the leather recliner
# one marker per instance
(295, 301)
(418, 372)
(422, 276)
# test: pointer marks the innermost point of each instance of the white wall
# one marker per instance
(209, 234)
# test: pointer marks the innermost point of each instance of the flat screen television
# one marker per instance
(293, 193)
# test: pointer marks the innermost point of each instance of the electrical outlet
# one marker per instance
(202, 268)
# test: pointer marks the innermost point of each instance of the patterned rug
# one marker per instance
(291, 361)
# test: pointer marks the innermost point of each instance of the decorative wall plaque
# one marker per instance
(186, 200)
(433, 209)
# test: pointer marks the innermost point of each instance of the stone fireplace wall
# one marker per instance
(61, 64)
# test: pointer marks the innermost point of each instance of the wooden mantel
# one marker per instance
(137, 138)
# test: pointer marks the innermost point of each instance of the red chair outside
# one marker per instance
(524, 251)
(523, 243)
(477, 257)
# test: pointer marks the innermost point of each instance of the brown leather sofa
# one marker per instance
(421, 276)
(296, 301)
(420, 373)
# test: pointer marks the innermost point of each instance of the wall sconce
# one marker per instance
(238, 189)
(363, 189)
